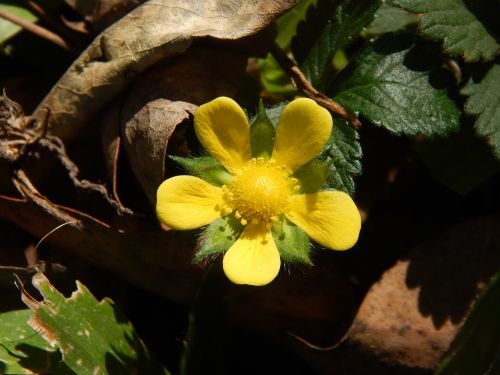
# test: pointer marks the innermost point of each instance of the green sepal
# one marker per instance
(274, 113)
(205, 167)
(292, 243)
(262, 134)
(218, 237)
(312, 176)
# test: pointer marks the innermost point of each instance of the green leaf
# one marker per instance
(293, 244)
(208, 331)
(343, 154)
(287, 23)
(476, 348)
(262, 134)
(389, 19)
(93, 337)
(206, 167)
(273, 78)
(484, 101)
(328, 27)
(218, 237)
(399, 86)
(458, 24)
(8, 29)
(23, 350)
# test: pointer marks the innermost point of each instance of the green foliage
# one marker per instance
(23, 350)
(293, 244)
(458, 24)
(328, 27)
(218, 237)
(343, 154)
(206, 168)
(397, 85)
(262, 134)
(287, 23)
(476, 348)
(390, 19)
(273, 78)
(93, 337)
(8, 29)
(484, 101)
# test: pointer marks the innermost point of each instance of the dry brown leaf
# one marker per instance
(146, 139)
(100, 14)
(163, 99)
(151, 33)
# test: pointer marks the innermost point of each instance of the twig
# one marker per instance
(301, 82)
(35, 29)
(55, 23)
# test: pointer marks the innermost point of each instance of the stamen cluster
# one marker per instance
(260, 192)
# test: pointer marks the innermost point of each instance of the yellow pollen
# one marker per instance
(260, 192)
(296, 187)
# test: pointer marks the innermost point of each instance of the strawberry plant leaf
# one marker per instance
(396, 85)
(328, 27)
(484, 101)
(458, 24)
(93, 337)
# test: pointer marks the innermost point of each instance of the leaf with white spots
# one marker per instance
(23, 351)
(93, 336)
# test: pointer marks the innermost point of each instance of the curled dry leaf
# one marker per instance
(146, 138)
(163, 99)
(151, 33)
(101, 14)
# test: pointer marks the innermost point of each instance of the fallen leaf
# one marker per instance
(166, 97)
(151, 33)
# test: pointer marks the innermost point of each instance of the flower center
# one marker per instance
(260, 192)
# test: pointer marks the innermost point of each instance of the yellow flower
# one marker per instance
(261, 192)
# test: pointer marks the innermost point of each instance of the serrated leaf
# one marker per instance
(389, 19)
(293, 244)
(455, 24)
(328, 27)
(484, 101)
(9, 29)
(287, 23)
(476, 348)
(93, 337)
(218, 237)
(206, 167)
(343, 154)
(23, 350)
(397, 85)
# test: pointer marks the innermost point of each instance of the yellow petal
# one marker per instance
(187, 202)
(303, 130)
(254, 258)
(329, 217)
(222, 128)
